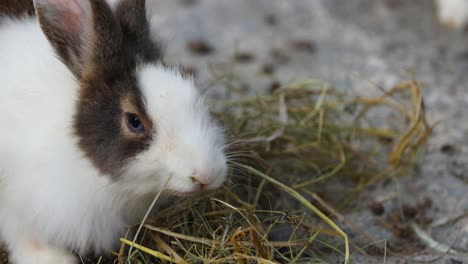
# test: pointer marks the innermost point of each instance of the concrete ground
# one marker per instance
(346, 43)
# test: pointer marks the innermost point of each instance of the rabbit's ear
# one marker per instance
(132, 17)
(134, 24)
(81, 31)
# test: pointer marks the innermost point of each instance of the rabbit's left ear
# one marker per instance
(131, 15)
(133, 21)
(79, 30)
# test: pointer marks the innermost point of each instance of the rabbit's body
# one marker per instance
(38, 159)
(453, 13)
(75, 169)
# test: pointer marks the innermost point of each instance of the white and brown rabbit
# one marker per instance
(453, 13)
(92, 121)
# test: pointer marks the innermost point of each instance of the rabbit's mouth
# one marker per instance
(184, 194)
(188, 186)
(195, 191)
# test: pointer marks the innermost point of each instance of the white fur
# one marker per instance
(453, 13)
(51, 197)
(187, 142)
(49, 193)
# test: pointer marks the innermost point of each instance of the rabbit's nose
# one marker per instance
(199, 181)
(203, 179)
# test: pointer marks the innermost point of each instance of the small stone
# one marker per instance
(409, 211)
(377, 208)
(275, 85)
(244, 57)
(448, 149)
(200, 47)
(402, 231)
(268, 69)
(271, 20)
(304, 45)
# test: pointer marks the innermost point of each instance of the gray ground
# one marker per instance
(353, 40)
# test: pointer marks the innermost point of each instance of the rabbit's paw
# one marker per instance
(42, 255)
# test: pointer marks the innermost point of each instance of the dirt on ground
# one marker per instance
(357, 44)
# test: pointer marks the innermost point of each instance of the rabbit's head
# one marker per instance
(137, 120)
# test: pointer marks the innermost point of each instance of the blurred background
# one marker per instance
(355, 43)
(258, 45)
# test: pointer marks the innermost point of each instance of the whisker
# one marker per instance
(246, 155)
(232, 143)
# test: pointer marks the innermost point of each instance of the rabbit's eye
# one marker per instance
(134, 123)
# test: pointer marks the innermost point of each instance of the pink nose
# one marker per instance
(203, 178)
(200, 181)
(207, 179)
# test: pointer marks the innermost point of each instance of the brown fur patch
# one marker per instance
(99, 123)
(109, 88)
(104, 62)
(129, 105)
(16, 8)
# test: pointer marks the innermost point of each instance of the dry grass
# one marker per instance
(304, 142)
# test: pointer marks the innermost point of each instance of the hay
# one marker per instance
(303, 141)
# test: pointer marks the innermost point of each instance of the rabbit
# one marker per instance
(452, 13)
(15, 8)
(94, 125)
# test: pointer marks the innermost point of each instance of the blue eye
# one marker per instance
(134, 123)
